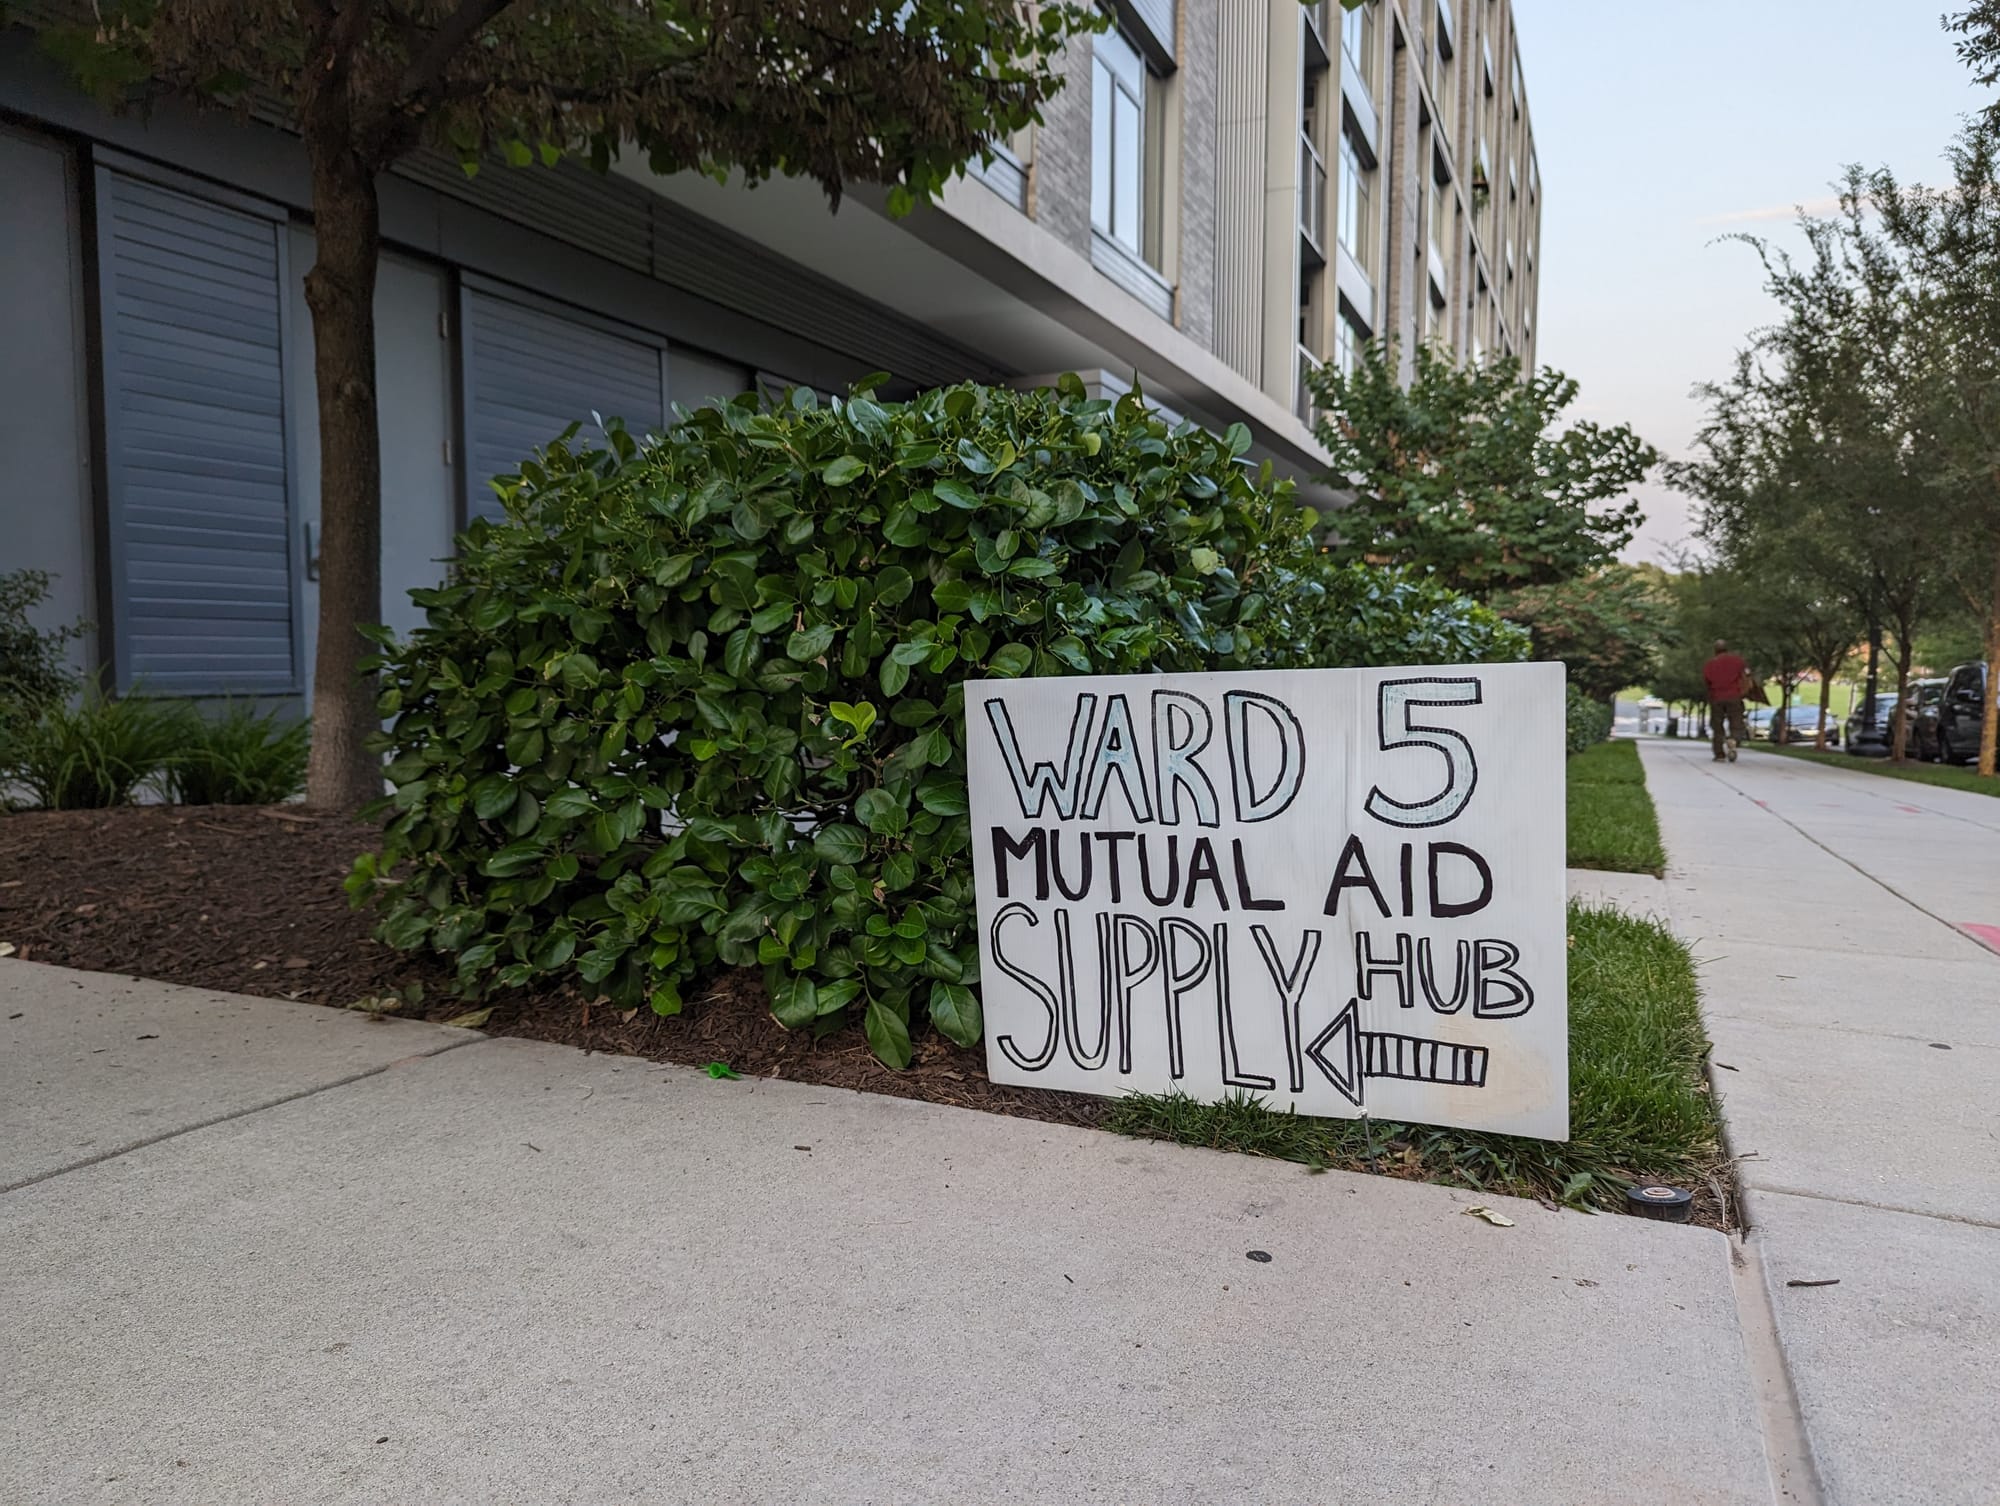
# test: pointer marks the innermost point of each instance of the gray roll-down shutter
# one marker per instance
(532, 370)
(197, 464)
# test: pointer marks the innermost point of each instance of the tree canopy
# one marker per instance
(899, 92)
(1465, 472)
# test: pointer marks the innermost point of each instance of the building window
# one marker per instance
(1357, 37)
(1118, 156)
(1356, 223)
(1447, 94)
(1348, 338)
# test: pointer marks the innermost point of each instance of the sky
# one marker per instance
(1663, 127)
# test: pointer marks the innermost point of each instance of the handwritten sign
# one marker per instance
(1338, 890)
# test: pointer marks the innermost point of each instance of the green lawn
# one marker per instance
(1611, 819)
(1640, 1108)
(1945, 776)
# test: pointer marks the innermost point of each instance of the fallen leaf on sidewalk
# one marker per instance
(472, 1019)
(1829, 1281)
(1499, 1219)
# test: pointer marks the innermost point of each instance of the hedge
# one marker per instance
(1589, 720)
(697, 700)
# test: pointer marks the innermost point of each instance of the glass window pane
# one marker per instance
(1128, 147)
(1121, 57)
(1101, 91)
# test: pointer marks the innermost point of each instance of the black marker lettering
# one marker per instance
(1495, 970)
(1044, 995)
(1174, 766)
(1291, 982)
(1095, 1058)
(1117, 754)
(1005, 847)
(1233, 1074)
(1181, 980)
(1034, 786)
(1055, 863)
(1111, 839)
(1443, 909)
(1461, 976)
(1284, 788)
(1353, 853)
(1173, 871)
(1368, 967)
(1243, 895)
(1201, 865)
(1127, 975)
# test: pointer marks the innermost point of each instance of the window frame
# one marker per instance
(1120, 74)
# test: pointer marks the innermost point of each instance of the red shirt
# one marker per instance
(1724, 674)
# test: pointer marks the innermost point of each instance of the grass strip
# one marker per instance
(1612, 824)
(1640, 1107)
(1944, 776)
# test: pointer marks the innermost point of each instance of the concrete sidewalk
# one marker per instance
(351, 1262)
(1856, 1021)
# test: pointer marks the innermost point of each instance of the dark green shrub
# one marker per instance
(96, 753)
(239, 758)
(1589, 720)
(1373, 615)
(700, 701)
(34, 670)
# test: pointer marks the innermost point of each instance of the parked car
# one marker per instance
(1960, 712)
(1924, 698)
(1884, 730)
(1801, 726)
(1758, 719)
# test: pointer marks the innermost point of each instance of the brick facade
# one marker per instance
(1060, 193)
(1198, 82)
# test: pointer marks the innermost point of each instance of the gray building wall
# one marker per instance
(1199, 84)
(1059, 184)
(45, 511)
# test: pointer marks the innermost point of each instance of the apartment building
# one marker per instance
(1225, 192)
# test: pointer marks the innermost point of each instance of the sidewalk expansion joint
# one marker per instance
(1757, 1189)
(1787, 1446)
(242, 1113)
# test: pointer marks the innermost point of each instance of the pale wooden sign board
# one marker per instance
(1337, 890)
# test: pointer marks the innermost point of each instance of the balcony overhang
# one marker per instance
(986, 276)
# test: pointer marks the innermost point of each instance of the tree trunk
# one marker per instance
(340, 290)
(1989, 727)
(1899, 737)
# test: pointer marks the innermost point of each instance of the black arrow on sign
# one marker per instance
(1349, 1055)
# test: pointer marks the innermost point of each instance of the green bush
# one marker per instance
(239, 758)
(1372, 615)
(1589, 720)
(34, 671)
(95, 754)
(700, 701)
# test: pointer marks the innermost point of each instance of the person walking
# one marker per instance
(1729, 682)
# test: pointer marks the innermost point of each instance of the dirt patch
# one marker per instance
(248, 900)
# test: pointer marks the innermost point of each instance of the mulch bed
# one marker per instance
(248, 900)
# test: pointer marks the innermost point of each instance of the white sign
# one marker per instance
(1338, 890)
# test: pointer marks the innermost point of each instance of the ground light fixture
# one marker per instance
(1672, 1205)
